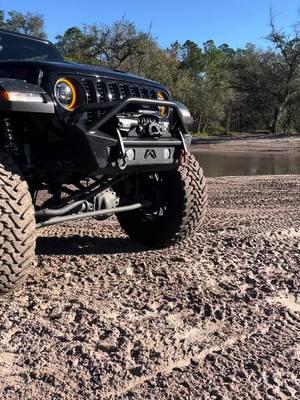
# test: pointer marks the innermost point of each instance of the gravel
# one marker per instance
(217, 317)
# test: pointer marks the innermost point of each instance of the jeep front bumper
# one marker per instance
(105, 153)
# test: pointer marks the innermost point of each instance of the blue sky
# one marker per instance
(235, 22)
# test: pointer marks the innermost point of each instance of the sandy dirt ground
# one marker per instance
(257, 143)
(217, 317)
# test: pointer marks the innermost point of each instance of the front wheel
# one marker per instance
(178, 201)
(17, 226)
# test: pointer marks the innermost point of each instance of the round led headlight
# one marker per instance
(65, 93)
(164, 111)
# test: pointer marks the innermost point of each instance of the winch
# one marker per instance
(149, 125)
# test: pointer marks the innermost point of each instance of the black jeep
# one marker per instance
(98, 142)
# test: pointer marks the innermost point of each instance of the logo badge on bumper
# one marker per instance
(150, 153)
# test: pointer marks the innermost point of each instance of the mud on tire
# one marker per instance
(185, 196)
(17, 226)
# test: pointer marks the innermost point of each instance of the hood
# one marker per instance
(52, 68)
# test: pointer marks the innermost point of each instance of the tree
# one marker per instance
(75, 45)
(268, 81)
(113, 46)
(28, 23)
(208, 83)
(288, 49)
(192, 57)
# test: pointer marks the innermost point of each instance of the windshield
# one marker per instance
(13, 47)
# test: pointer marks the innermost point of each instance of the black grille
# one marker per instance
(153, 94)
(124, 90)
(115, 91)
(145, 93)
(101, 91)
(112, 91)
(105, 90)
(89, 92)
(134, 91)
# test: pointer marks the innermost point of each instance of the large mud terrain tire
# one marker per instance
(183, 195)
(17, 226)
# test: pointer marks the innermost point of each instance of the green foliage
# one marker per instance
(29, 23)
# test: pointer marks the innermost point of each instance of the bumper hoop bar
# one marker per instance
(119, 106)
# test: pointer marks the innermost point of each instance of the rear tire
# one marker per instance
(184, 195)
(17, 226)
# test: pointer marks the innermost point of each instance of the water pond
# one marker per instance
(232, 163)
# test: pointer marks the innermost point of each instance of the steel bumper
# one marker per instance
(111, 153)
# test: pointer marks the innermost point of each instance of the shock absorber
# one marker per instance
(9, 137)
(27, 147)
(10, 141)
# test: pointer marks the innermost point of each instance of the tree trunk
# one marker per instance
(199, 122)
(278, 113)
(240, 122)
(203, 130)
(288, 127)
(228, 121)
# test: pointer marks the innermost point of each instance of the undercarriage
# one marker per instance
(93, 198)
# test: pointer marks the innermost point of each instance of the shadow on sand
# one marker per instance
(86, 245)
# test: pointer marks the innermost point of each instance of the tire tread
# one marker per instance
(17, 224)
